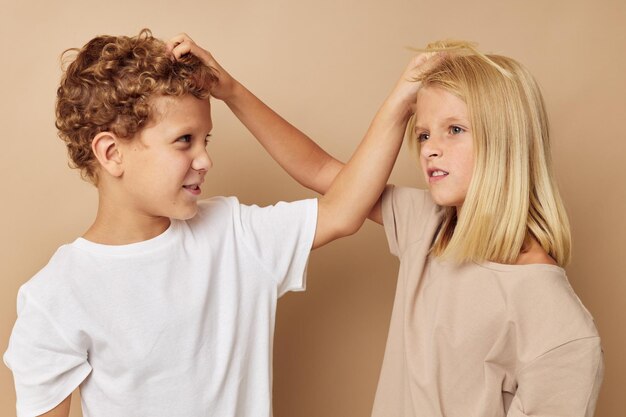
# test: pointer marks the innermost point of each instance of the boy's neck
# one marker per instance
(115, 225)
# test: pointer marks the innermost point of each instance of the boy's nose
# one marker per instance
(202, 161)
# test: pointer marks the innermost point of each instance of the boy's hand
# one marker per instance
(182, 44)
(405, 91)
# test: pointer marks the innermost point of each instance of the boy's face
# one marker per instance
(165, 163)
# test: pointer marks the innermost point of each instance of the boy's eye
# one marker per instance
(455, 130)
(422, 137)
(184, 139)
(207, 139)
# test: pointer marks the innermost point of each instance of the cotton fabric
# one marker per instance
(179, 325)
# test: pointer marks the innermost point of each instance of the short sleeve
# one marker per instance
(564, 382)
(281, 237)
(46, 367)
(406, 214)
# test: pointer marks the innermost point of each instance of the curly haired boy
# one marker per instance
(166, 305)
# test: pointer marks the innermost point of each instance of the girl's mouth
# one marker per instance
(435, 175)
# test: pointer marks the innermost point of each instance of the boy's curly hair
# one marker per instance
(108, 85)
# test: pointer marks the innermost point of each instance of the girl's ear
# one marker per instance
(105, 146)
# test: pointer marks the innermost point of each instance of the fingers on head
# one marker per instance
(420, 59)
(182, 48)
(431, 56)
(429, 59)
(177, 40)
(180, 38)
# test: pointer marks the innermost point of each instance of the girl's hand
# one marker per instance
(405, 92)
(182, 44)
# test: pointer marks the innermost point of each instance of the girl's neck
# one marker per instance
(533, 253)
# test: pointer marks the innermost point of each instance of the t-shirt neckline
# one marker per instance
(150, 245)
(513, 268)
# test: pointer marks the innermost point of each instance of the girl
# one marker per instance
(484, 322)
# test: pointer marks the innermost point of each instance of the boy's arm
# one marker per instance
(356, 188)
(294, 151)
(61, 410)
(302, 158)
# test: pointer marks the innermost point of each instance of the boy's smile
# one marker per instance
(165, 163)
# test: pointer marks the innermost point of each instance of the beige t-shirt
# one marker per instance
(480, 340)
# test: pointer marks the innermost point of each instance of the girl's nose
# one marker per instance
(430, 148)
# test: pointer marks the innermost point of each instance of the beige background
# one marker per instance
(326, 65)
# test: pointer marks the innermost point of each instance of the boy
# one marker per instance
(165, 306)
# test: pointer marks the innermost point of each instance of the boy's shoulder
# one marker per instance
(52, 279)
(72, 264)
(215, 211)
(217, 205)
(70, 258)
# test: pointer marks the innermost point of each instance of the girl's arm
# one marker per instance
(294, 151)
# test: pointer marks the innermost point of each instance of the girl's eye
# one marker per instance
(207, 139)
(455, 130)
(422, 137)
(185, 139)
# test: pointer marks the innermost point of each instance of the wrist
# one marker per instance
(234, 91)
(393, 115)
(399, 108)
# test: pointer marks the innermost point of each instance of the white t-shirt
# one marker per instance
(178, 325)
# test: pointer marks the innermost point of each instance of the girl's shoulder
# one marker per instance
(539, 304)
(409, 216)
(400, 195)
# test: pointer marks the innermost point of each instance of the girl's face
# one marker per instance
(443, 130)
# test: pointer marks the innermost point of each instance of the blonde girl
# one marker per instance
(485, 322)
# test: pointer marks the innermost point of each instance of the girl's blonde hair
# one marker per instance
(512, 195)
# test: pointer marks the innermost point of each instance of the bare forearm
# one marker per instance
(294, 151)
(355, 193)
(358, 186)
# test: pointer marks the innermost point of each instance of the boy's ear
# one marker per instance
(105, 146)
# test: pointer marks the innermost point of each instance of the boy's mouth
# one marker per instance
(193, 188)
